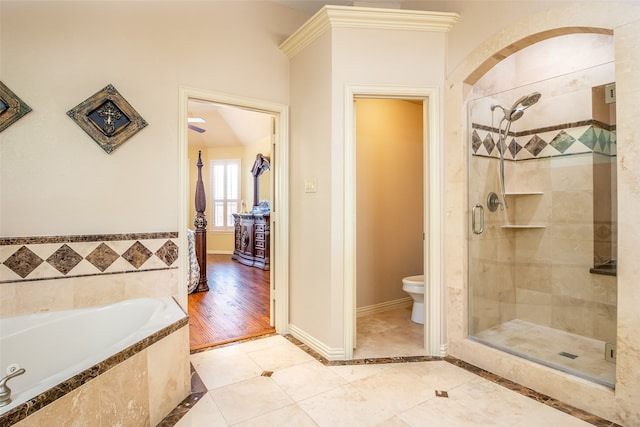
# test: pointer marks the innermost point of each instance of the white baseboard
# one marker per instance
(384, 306)
(443, 350)
(325, 351)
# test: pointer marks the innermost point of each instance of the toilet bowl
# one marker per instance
(414, 286)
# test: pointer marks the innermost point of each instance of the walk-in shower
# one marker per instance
(534, 289)
(511, 115)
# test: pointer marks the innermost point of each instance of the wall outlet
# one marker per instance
(610, 352)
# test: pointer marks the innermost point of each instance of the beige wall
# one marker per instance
(389, 197)
(55, 180)
(319, 74)
(310, 225)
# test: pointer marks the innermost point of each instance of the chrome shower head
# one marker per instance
(514, 115)
(531, 99)
(522, 104)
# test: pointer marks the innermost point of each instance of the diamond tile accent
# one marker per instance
(589, 138)
(102, 257)
(514, 148)
(64, 259)
(488, 143)
(23, 262)
(476, 142)
(168, 252)
(535, 145)
(137, 254)
(603, 140)
(562, 141)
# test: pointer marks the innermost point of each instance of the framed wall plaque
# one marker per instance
(12, 108)
(108, 118)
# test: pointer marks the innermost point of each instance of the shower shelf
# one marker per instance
(523, 226)
(525, 193)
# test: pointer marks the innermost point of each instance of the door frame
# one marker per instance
(434, 338)
(279, 271)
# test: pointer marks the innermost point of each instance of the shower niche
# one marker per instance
(533, 289)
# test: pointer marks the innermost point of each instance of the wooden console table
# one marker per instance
(252, 239)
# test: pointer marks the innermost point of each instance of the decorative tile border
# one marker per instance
(588, 136)
(55, 257)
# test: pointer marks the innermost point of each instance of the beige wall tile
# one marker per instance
(169, 374)
(124, 393)
(78, 408)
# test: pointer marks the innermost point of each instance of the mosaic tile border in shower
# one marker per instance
(197, 393)
(588, 136)
(56, 257)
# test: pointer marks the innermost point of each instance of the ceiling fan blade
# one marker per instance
(196, 128)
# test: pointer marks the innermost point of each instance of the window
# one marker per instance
(225, 192)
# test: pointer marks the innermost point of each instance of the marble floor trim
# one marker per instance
(198, 389)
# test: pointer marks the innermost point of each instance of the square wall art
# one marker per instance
(108, 118)
(12, 108)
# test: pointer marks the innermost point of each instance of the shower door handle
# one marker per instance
(475, 229)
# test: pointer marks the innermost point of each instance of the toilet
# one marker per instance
(414, 286)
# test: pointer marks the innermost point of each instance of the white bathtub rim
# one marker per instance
(90, 367)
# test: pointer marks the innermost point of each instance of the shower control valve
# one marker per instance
(493, 202)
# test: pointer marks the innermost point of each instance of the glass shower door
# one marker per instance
(542, 265)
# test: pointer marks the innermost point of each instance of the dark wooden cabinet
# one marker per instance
(252, 239)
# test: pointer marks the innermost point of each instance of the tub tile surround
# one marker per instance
(63, 272)
(138, 386)
(36, 258)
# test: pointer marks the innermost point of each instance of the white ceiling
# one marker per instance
(226, 126)
(231, 126)
(310, 7)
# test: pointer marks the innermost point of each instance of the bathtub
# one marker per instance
(63, 350)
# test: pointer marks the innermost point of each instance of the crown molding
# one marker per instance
(366, 17)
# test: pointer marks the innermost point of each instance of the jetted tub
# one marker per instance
(63, 350)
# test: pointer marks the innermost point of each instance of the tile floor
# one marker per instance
(546, 344)
(388, 334)
(272, 381)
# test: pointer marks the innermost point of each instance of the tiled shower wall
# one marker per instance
(542, 275)
(62, 272)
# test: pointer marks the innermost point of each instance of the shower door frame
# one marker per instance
(434, 337)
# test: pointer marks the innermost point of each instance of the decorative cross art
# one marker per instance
(108, 118)
(12, 108)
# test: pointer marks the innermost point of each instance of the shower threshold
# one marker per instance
(571, 353)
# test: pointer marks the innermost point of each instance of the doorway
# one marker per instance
(433, 342)
(233, 112)
(389, 230)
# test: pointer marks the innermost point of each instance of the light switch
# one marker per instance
(610, 93)
(310, 185)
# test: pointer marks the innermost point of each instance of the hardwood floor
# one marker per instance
(235, 307)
